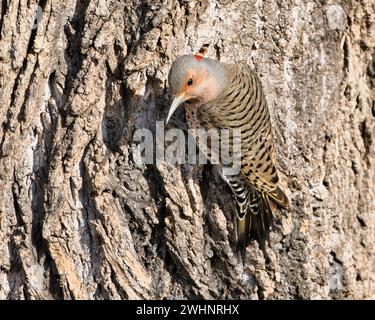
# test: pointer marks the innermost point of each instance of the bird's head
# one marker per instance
(193, 78)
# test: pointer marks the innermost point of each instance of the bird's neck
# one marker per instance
(217, 81)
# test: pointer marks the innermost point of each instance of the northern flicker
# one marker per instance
(230, 96)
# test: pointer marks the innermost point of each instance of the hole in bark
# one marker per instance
(363, 46)
(345, 66)
(42, 4)
(355, 167)
(373, 109)
(358, 102)
(361, 222)
(349, 21)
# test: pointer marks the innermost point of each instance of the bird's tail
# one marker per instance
(257, 220)
(254, 211)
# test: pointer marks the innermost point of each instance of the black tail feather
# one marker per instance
(262, 222)
(257, 222)
(254, 211)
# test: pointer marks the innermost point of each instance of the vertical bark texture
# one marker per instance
(80, 218)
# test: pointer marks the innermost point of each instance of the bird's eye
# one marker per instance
(190, 82)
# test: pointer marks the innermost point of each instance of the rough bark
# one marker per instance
(81, 219)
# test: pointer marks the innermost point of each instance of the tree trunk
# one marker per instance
(81, 218)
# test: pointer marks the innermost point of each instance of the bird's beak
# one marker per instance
(175, 103)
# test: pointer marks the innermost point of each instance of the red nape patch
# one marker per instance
(198, 57)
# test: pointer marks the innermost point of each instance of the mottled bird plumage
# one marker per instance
(235, 101)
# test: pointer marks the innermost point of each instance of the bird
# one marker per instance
(219, 95)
